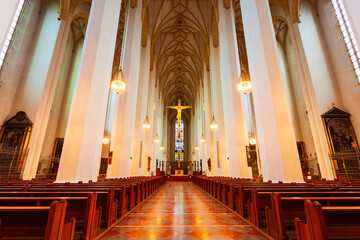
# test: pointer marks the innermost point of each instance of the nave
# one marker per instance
(181, 210)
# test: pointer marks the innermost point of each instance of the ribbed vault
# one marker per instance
(180, 33)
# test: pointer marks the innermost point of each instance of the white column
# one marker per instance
(209, 146)
(149, 136)
(125, 119)
(276, 137)
(80, 159)
(230, 72)
(47, 96)
(312, 104)
(141, 111)
(220, 154)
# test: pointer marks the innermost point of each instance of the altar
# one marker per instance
(179, 173)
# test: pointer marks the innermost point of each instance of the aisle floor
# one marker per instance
(180, 210)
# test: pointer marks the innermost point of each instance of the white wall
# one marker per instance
(7, 11)
(21, 49)
(33, 77)
(348, 86)
(316, 50)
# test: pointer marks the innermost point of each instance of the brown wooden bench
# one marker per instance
(323, 223)
(43, 222)
(259, 200)
(280, 217)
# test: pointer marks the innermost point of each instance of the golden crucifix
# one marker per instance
(179, 108)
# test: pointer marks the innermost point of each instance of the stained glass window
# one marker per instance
(179, 141)
(11, 32)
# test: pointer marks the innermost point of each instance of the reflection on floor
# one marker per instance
(180, 210)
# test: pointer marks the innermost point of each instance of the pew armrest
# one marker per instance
(68, 230)
(302, 230)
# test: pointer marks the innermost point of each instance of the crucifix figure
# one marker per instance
(179, 108)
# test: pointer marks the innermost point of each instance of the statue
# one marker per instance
(179, 108)
(149, 163)
(209, 164)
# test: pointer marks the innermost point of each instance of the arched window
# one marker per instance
(11, 32)
(348, 35)
(179, 141)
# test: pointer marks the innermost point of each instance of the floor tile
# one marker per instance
(181, 211)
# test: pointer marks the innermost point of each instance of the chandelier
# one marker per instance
(244, 85)
(252, 139)
(213, 125)
(156, 139)
(106, 140)
(196, 148)
(162, 148)
(203, 139)
(118, 86)
(146, 124)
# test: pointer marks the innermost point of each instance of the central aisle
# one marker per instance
(180, 210)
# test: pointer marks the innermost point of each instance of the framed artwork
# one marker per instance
(302, 156)
(110, 158)
(339, 131)
(16, 131)
(55, 157)
(15, 135)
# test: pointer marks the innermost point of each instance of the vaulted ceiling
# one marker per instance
(180, 33)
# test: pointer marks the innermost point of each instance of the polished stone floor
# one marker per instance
(180, 210)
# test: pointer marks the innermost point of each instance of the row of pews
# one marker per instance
(314, 210)
(47, 210)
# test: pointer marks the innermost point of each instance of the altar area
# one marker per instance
(179, 171)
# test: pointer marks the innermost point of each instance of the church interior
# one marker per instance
(179, 119)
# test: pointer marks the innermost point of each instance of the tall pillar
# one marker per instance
(208, 111)
(312, 105)
(47, 96)
(139, 144)
(219, 160)
(80, 159)
(149, 136)
(233, 116)
(276, 137)
(125, 119)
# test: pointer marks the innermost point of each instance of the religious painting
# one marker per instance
(302, 156)
(339, 131)
(14, 136)
(15, 131)
(55, 159)
(252, 159)
(110, 158)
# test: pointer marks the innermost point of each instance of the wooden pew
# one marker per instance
(43, 222)
(115, 196)
(280, 217)
(324, 223)
(259, 200)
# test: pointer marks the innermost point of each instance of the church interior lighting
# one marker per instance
(252, 139)
(203, 139)
(106, 140)
(244, 84)
(156, 139)
(146, 125)
(196, 148)
(213, 125)
(118, 86)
